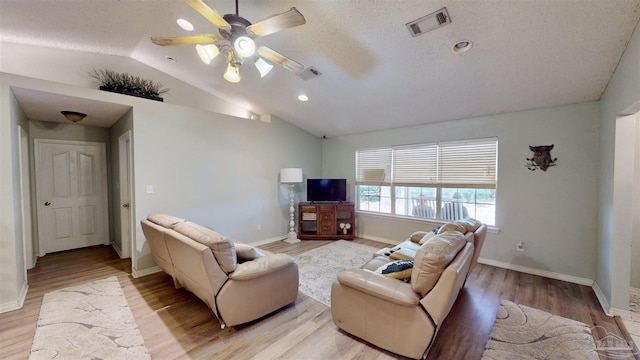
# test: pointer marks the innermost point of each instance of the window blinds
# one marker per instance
(415, 165)
(373, 166)
(470, 163)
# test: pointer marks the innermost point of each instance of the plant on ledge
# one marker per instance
(124, 83)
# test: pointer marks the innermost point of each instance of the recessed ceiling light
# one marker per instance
(462, 46)
(303, 97)
(185, 25)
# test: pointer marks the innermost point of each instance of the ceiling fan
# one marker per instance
(236, 40)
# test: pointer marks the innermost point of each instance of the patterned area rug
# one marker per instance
(521, 332)
(319, 267)
(90, 321)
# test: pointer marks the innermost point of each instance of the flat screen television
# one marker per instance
(327, 190)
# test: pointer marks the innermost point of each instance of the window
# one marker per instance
(440, 181)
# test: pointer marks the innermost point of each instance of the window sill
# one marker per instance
(490, 228)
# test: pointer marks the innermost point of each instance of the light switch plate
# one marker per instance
(149, 189)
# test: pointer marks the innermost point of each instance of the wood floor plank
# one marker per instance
(177, 325)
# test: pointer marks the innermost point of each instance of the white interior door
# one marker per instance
(126, 222)
(71, 188)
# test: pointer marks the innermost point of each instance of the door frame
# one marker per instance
(25, 200)
(37, 143)
(125, 166)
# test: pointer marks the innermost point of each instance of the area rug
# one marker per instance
(319, 267)
(90, 321)
(521, 332)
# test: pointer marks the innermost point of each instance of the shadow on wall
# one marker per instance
(523, 260)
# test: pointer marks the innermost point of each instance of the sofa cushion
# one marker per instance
(432, 258)
(164, 220)
(471, 224)
(453, 226)
(222, 247)
(426, 238)
(399, 269)
(246, 252)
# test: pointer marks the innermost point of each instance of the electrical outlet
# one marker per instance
(520, 246)
(259, 227)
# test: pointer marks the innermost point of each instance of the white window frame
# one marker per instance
(470, 164)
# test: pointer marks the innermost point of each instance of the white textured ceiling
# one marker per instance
(526, 54)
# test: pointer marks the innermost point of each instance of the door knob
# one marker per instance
(47, 203)
(125, 205)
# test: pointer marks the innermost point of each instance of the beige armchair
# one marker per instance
(240, 283)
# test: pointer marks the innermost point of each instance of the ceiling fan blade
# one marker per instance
(277, 58)
(196, 39)
(275, 23)
(209, 14)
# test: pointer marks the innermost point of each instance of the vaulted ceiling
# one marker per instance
(526, 54)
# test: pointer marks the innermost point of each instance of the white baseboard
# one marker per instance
(532, 271)
(19, 303)
(625, 314)
(609, 311)
(116, 247)
(379, 239)
(268, 241)
(140, 273)
(602, 299)
(35, 259)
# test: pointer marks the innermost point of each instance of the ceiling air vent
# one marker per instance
(309, 73)
(429, 22)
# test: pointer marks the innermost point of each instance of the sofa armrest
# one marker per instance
(261, 266)
(380, 286)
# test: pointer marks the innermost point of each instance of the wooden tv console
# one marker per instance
(321, 221)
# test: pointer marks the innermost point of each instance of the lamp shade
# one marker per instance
(263, 67)
(291, 175)
(207, 52)
(233, 74)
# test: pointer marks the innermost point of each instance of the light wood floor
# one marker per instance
(177, 325)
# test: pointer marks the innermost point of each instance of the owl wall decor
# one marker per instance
(541, 158)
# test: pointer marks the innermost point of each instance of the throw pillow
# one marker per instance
(399, 269)
(426, 238)
(416, 236)
(246, 252)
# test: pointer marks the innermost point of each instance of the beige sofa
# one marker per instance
(238, 282)
(403, 316)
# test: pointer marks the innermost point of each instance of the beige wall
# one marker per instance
(553, 212)
(216, 169)
(622, 97)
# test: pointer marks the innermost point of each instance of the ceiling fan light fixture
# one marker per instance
(73, 116)
(244, 46)
(207, 52)
(232, 74)
(263, 67)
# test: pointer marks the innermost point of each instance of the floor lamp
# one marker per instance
(291, 176)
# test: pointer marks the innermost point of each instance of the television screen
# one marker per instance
(334, 190)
